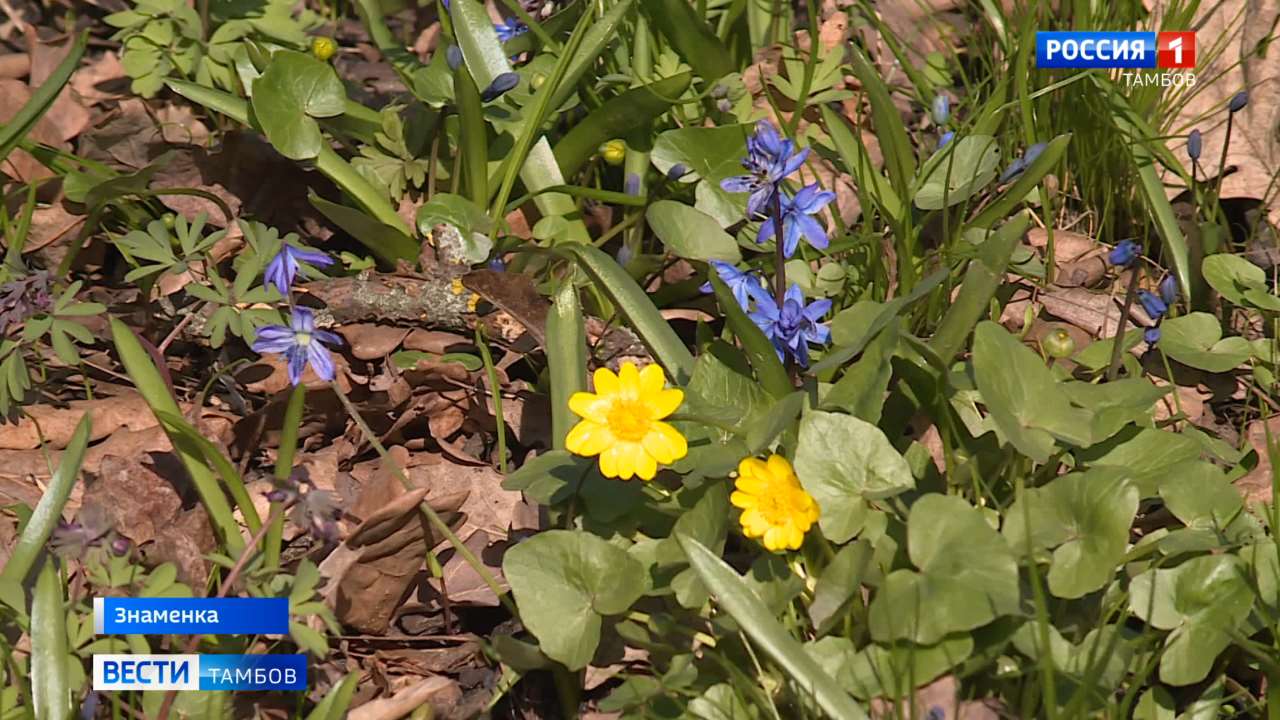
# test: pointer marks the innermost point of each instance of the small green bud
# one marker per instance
(323, 48)
(1057, 343)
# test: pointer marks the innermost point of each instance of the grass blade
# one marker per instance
(12, 132)
(858, 162)
(1029, 178)
(594, 42)
(898, 157)
(50, 681)
(983, 277)
(566, 359)
(631, 299)
(742, 604)
(334, 705)
(49, 509)
(680, 24)
(138, 364)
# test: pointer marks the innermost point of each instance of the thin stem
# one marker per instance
(780, 257)
(496, 391)
(1118, 349)
(1222, 163)
(284, 468)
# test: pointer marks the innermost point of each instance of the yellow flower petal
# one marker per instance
(752, 485)
(751, 467)
(629, 379)
(652, 380)
(646, 466)
(605, 381)
(665, 443)
(780, 469)
(589, 406)
(664, 402)
(588, 438)
(609, 461)
(743, 500)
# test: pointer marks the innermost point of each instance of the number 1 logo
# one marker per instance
(1176, 50)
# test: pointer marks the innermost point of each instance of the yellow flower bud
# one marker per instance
(323, 48)
(614, 152)
(537, 80)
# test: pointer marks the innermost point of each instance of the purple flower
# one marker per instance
(792, 326)
(500, 85)
(1238, 101)
(1169, 290)
(677, 171)
(1194, 144)
(770, 159)
(1151, 335)
(301, 344)
(284, 267)
(453, 56)
(946, 138)
(740, 282)
(510, 29)
(797, 220)
(1152, 303)
(1017, 166)
(1124, 253)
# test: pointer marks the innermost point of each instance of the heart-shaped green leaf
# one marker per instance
(1196, 339)
(843, 462)
(966, 575)
(691, 233)
(565, 581)
(295, 89)
(1201, 601)
(1086, 516)
(957, 173)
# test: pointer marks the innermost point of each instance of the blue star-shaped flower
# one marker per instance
(770, 159)
(792, 326)
(739, 281)
(509, 29)
(797, 220)
(285, 266)
(301, 344)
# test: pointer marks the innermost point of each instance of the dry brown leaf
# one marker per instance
(372, 342)
(57, 425)
(440, 692)
(1255, 487)
(49, 225)
(14, 66)
(462, 583)
(437, 342)
(19, 164)
(101, 79)
(1097, 313)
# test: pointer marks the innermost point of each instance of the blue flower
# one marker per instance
(677, 171)
(500, 85)
(1194, 144)
(1124, 253)
(496, 264)
(631, 184)
(1152, 303)
(792, 326)
(1017, 166)
(509, 29)
(740, 282)
(285, 266)
(453, 56)
(300, 343)
(1169, 290)
(946, 138)
(941, 109)
(796, 220)
(1238, 101)
(770, 159)
(1151, 335)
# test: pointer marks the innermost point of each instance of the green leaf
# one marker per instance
(759, 351)
(860, 391)
(1086, 516)
(1232, 275)
(681, 25)
(691, 234)
(295, 89)
(335, 703)
(564, 582)
(566, 359)
(638, 309)
(50, 681)
(859, 163)
(1026, 182)
(899, 159)
(892, 670)
(550, 478)
(984, 276)
(48, 511)
(1025, 401)
(710, 154)
(865, 468)
(388, 242)
(839, 583)
(1195, 339)
(956, 173)
(634, 110)
(1149, 456)
(12, 132)
(966, 575)
(1201, 601)
(719, 393)
(756, 621)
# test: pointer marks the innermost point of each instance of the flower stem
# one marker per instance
(780, 257)
(284, 467)
(1117, 350)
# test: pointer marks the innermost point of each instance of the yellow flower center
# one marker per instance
(302, 339)
(629, 420)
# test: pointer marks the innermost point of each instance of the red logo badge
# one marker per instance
(1176, 50)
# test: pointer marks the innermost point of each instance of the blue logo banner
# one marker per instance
(1086, 49)
(199, 672)
(191, 616)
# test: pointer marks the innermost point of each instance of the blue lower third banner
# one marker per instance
(199, 672)
(190, 616)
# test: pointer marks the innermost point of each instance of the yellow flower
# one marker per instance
(614, 152)
(774, 506)
(622, 422)
(322, 48)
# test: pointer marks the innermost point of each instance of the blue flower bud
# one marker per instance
(1169, 290)
(624, 255)
(941, 109)
(631, 185)
(1151, 335)
(946, 138)
(1033, 152)
(500, 85)
(723, 105)
(1194, 145)
(1123, 253)
(677, 171)
(1152, 303)
(718, 91)
(1238, 101)
(497, 265)
(453, 56)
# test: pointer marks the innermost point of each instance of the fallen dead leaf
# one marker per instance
(372, 342)
(100, 79)
(57, 425)
(441, 693)
(1255, 486)
(49, 225)
(19, 165)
